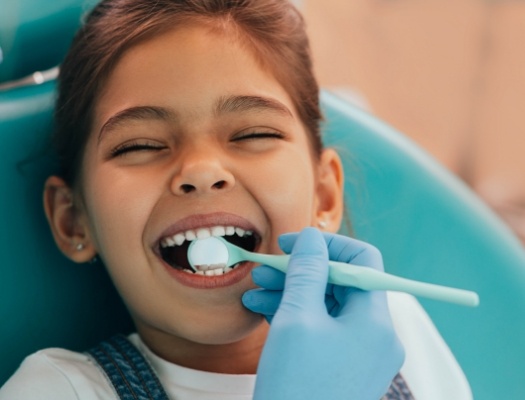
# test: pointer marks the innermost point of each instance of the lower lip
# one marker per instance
(211, 282)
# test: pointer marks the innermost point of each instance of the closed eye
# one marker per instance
(257, 135)
(135, 146)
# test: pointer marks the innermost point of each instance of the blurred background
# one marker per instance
(449, 74)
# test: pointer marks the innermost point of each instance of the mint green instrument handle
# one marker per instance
(365, 278)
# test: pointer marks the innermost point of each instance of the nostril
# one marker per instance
(186, 188)
(203, 185)
(219, 184)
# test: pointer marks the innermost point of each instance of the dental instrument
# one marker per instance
(217, 252)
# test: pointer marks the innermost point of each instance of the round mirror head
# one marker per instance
(206, 252)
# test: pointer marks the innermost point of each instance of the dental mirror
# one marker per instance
(217, 252)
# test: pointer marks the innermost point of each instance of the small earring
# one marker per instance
(322, 224)
(80, 247)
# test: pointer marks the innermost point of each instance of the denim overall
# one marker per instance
(134, 379)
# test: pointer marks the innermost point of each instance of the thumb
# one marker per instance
(307, 274)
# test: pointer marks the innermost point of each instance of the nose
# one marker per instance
(201, 172)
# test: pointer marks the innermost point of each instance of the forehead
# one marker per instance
(187, 69)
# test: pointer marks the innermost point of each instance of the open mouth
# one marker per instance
(174, 249)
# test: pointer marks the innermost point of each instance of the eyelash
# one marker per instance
(258, 135)
(124, 148)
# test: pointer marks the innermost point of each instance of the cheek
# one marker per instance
(287, 190)
(118, 208)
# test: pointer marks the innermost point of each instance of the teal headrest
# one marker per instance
(35, 35)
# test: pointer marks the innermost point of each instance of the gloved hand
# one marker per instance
(325, 341)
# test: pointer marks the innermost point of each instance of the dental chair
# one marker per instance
(426, 223)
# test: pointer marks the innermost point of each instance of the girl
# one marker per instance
(179, 119)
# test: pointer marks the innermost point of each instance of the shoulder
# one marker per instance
(57, 374)
(430, 370)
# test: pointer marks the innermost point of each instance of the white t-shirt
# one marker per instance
(430, 369)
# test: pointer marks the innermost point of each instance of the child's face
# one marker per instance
(190, 132)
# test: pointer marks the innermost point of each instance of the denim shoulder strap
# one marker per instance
(127, 369)
(398, 390)
(133, 378)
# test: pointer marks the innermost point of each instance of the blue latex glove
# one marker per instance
(325, 341)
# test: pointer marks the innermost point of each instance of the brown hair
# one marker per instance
(274, 29)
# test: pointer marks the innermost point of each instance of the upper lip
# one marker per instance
(197, 221)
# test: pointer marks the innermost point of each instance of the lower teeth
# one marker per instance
(210, 272)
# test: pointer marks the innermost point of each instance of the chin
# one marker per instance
(231, 330)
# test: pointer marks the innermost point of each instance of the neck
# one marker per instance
(239, 357)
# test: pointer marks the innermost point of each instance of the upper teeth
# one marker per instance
(202, 233)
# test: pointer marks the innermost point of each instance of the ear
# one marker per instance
(67, 222)
(329, 192)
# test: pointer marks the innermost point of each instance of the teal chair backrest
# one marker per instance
(426, 223)
(45, 300)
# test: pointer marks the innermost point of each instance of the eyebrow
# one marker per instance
(224, 105)
(137, 113)
(230, 104)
